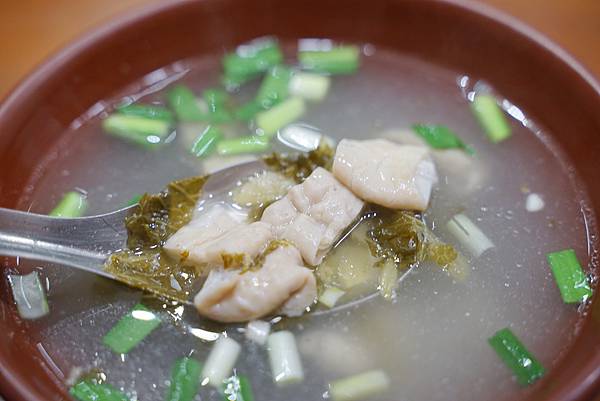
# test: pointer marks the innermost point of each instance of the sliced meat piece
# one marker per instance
(220, 230)
(313, 214)
(386, 173)
(205, 225)
(247, 240)
(461, 172)
(228, 295)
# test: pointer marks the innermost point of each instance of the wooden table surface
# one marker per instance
(33, 29)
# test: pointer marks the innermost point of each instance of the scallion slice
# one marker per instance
(146, 111)
(140, 130)
(440, 137)
(244, 144)
(248, 110)
(469, 235)
(72, 204)
(258, 331)
(359, 387)
(274, 87)
(569, 276)
(491, 117)
(286, 112)
(514, 354)
(29, 295)
(284, 358)
(205, 143)
(131, 329)
(330, 296)
(220, 361)
(313, 87)
(237, 388)
(216, 101)
(92, 390)
(185, 380)
(250, 60)
(388, 280)
(185, 105)
(338, 60)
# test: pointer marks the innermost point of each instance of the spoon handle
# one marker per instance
(83, 243)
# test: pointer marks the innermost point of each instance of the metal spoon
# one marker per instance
(85, 243)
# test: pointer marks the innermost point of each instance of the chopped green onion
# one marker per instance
(469, 235)
(185, 379)
(29, 295)
(514, 354)
(216, 101)
(183, 101)
(72, 204)
(91, 390)
(569, 276)
(249, 61)
(330, 296)
(247, 111)
(131, 329)
(205, 143)
(338, 60)
(491, 117)
(359, 387)
(269, 121)
(440, 137)
(309, 86)
(220, 361)
(388, 280)
(244, 144)
(237, 388)
(284, 359)
(134, 200)
(274, 87)
(140, 130)
(146, 111)
(258, 331)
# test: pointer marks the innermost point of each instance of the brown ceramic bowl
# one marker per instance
(541, 78)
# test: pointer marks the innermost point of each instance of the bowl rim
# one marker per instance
(27, 86)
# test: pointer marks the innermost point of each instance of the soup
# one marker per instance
(429, 341)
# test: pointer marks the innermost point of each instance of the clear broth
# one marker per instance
(431, 340)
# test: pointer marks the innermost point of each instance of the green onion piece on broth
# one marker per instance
(185, 104)
(440, 137)
(491, 117)
(244, 144)
(185, 380)
(247, 111)
(206, 142)
(514, 354)
(216, 101)
(72, 204)
(569, 276)
(147, 111)
(237, 388)
(286, 112)
(93, 390)
(337, 60)
(249, 60)
(362, 386)
(147, 132)
(274, 87)
(136, 325)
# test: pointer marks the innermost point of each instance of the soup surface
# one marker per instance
(431, 339)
